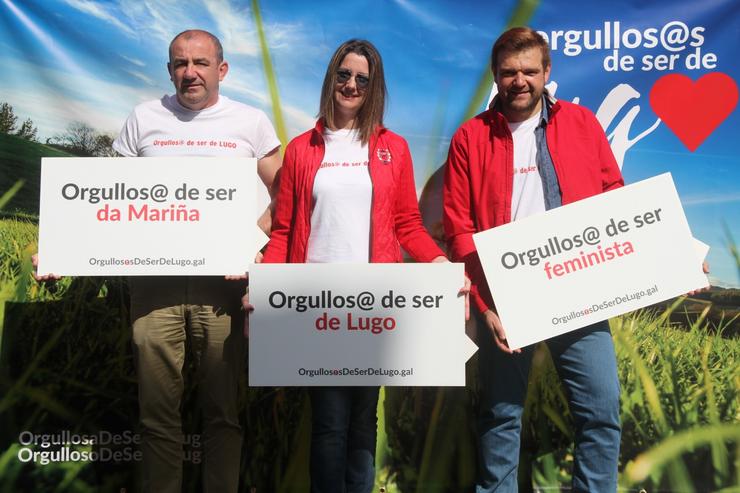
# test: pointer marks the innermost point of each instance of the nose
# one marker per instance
(519, 79)
(189, 71)
(351, 83)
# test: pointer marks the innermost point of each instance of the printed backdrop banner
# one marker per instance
(662, 78)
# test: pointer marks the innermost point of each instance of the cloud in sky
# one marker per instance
(712, 198)
(53, 99)
(157, 20)
(296, 118)
(235, 28)
(52, 114)
(430, 20)
(134, 61)
(288, 36)
(238, 33)
(102, 12)
(462, 58)
(236, 80)
(142, 77)
(44, 38)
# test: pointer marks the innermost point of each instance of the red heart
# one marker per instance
(692, 110)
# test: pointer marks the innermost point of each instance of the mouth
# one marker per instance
(349, 98)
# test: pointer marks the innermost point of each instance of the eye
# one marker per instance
(343, 76)
(362, 81)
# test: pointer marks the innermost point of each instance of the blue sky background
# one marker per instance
(67, 60)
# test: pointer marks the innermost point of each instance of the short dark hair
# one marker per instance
(519, 39)
(199, 32)
(371, 112)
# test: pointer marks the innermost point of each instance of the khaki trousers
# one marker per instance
(206, 312)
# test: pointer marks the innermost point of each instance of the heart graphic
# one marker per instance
(692, 110)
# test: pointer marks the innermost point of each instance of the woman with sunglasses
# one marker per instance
(347, 194)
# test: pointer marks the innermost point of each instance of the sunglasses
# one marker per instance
(344, 75)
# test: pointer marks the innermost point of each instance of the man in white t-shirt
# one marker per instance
(199, 314)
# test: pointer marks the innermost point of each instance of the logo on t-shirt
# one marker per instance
(384, 155)
(525, 169)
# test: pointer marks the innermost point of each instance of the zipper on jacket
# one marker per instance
(372, 151)
(310, 195)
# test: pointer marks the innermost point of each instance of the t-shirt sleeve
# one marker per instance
(266, 139)
(126, 144)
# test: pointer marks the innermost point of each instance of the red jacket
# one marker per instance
(394, 212)
(479, 177)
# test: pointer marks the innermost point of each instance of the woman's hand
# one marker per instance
(464, 291)
(497, 331)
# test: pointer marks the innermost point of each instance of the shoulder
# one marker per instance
(391, 138)
(161, 105)
(244, 109)
(303, 140)
(478, 126)
(155, 110)
(301, 146)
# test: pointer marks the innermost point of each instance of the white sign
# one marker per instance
(148, 216)
(357, 324)
(591, 260)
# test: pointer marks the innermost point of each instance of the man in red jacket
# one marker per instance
(527, 154)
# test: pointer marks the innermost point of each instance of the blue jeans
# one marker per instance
(343, 433)
(586, 364)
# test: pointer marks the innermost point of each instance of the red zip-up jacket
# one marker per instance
(395, 220)
(479, 177)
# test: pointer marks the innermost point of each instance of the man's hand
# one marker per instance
(705, 269)
(497, 331)
(45, 278)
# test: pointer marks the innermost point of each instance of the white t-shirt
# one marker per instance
(528, 197)
(342, 196)
(165, 128)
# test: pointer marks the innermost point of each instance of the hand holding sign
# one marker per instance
(493, 323)
(590, 260)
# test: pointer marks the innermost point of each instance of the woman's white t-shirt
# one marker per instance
(342, 197)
